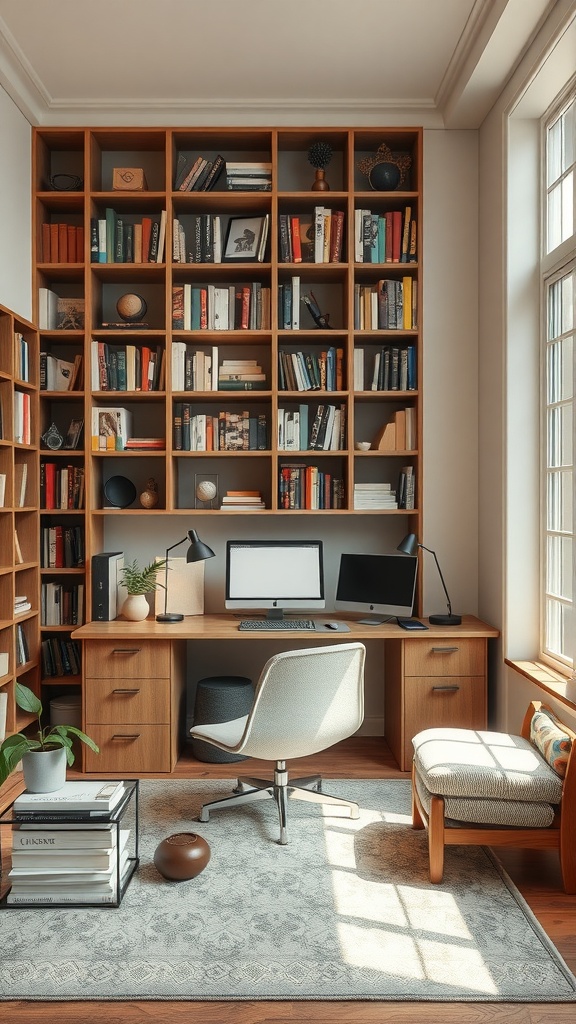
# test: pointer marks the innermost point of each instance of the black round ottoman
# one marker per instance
(220, 699)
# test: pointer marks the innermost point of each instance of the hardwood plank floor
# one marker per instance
(535, 873)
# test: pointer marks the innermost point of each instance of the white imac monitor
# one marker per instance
(274, 575)
(383, 584)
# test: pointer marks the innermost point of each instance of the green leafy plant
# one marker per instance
(142, 581)
(46, 737)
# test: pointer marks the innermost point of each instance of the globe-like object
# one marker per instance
(385, 177)
(182, 856)
(131, 307)
(206, 490)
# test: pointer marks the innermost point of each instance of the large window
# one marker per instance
(559, 379)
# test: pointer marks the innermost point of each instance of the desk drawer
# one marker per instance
(136, 748)
(450, 657)
(127, 659)
(123, 701)
(457, 702)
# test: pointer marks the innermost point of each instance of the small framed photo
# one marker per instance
(245, 240)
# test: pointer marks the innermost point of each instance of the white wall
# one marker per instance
(15, 213)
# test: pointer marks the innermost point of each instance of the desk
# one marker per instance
(134, 678)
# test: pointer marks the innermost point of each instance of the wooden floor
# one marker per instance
(535, 873)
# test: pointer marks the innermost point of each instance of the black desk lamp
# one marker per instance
(409, 546)
(197, 552)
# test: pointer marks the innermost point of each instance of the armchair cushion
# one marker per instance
(478, 811)
(550, 739)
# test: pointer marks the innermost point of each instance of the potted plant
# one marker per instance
(44, 753)
(138, 583)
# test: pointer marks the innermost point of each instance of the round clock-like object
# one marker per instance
(131, 307)
(119, 491)
(52, 438)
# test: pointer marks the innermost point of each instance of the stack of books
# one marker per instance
(374, 496)
(249, 176)
(242, 501)
(21, 605)
(62, 852)
(241, 375)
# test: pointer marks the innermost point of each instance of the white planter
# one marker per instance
(44, 770)
(135, 607)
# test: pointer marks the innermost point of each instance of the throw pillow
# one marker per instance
(550, 739)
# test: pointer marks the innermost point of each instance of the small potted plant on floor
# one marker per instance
(138, 583)
(44, 753)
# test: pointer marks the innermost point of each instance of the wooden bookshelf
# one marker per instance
(91, 155)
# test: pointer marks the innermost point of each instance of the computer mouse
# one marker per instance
(331, 625)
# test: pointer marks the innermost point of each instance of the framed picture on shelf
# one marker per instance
(246, 239)
(73, 434)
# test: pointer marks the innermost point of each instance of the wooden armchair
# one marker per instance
(496, 789)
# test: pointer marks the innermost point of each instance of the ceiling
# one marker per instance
(432, 62)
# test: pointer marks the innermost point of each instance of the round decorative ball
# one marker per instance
(206, 490)
(384, 177)
(181, 856)
(131, 307)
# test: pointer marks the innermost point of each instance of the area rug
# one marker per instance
(345, 911)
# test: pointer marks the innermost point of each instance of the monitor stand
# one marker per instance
(274, 614)
(375, 621)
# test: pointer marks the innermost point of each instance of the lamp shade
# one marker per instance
(409, 545)
(197, 551)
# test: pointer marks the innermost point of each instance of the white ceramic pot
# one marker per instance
(135, 607)
(44, 770)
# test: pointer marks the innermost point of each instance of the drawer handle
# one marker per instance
(446, 689)
(445, 650)
(126, 650)
(126, 736)
(126, 690)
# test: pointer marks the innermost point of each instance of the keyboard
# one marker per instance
(276, 624)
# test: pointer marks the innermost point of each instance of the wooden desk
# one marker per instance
(134, 677)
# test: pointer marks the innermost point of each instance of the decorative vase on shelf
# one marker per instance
(44, 770)
(320, 184)
(136, 607)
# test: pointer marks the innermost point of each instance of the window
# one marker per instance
(558, 275)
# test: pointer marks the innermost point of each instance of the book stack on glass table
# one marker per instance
(75, 846)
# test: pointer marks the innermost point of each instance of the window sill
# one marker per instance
(545, 678)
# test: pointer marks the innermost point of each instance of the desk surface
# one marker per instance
(225, 627)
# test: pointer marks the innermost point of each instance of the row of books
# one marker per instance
(61, 656)
(197, 173)
(62, 243)
(249, 175)
(61, 374)
(311, 371)
(207, 241)
(60, 313)
(289, 305)
(225, 307)
(308, 487)
(388, 237)
(61, 852)
(224, 431)
(127, 367)
(22, 649)
(311, 239)
(61, 605)
(307, 429)
(22, 417)
(61, 486)
(405, 490)
(387, 305)
(115, 239)
(61, 547)
(374, 496)
(393, 369)
(21, 357)
(242, 501)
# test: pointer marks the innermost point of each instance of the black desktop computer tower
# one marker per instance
(106, 568)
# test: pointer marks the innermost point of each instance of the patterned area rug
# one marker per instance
(345, 911)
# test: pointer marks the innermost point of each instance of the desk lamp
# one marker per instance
(197, 552)
(409, 546)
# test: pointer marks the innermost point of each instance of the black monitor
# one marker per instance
(384, 584)
(274, 575)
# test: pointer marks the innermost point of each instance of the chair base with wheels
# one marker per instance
(249, 790)
(495, 789)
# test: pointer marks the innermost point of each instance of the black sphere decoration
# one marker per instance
(320, 154)
(385, 177)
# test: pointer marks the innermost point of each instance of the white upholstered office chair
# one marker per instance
(305, 701)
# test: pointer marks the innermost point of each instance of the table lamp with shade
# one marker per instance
(409, 546)
(197, 552)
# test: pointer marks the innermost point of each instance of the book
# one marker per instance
(49, 858)
(47, 309)
(84, 796)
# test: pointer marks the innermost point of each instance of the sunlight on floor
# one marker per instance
(407, 931)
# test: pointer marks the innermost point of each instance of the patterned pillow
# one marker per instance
(553, 743)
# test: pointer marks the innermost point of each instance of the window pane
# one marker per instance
(554, 218)
(559, 572)
(554, 152)
(559, 501)
(560, 371)
(558, 620)
(559, 446)
(567, 226)
(568, 136)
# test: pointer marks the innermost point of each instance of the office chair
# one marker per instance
(305, 701)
